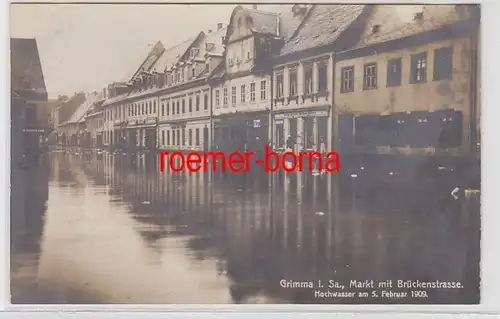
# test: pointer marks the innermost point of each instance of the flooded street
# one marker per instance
(112, 229)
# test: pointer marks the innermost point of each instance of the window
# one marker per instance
(183, 137)
(418, 68)
(168, 137)
(394, 72)
(178, 107)
(197, 103)
(192, 72)
(190, 137)
(168, 108)
(243, 93)
(190, 105)
(142, 106)
(322, 76)
(233, 96)
(443, 63)
(217, 98)
(154, 107)
(205, 102)
(225, 98)
(252, 92)
(150, 107)
(308, 79)
(183, 106)
(279, 85)
(347, 84)
(173, 137)
(370, 76)
(163, 109)
(280, 134)
(263, 90)
(162, 137)
(292, 78)
(197, 137)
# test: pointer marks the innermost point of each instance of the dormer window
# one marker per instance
(209, 46)
(194, 52)
(419, 15)
(192, 72)
(230, 61)
(376, 28)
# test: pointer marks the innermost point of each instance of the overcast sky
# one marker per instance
(85, 47)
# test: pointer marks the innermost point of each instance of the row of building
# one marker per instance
(383, 79)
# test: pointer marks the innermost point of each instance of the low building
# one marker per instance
(75, 129)
(410, 85)
(95, 123)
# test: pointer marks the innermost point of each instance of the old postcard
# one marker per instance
(230, 154)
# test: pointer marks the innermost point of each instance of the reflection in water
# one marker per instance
(117, 231)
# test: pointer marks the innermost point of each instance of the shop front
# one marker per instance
(242, 132)
(308, 129)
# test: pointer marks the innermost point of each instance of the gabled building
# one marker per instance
(303, 72)
(116, 106)
(28, 98)
(185, 107)
(144, 99)
(241, 86)
(75, 129)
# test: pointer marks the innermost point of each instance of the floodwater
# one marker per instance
(109, 228)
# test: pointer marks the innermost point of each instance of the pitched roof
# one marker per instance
(322, 26)
(26, 68)
(289, 22)
(264, 22)
(69, 107)
(148, 58)
(399, 21)
(172, 55)
(82, 109)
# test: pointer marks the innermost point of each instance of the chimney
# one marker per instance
(219, 26)
(209, 31)
(254, 7)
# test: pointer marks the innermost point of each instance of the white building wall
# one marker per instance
(177, 119)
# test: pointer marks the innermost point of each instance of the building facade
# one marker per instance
(410, 85)
(28, 99)
(241, 86)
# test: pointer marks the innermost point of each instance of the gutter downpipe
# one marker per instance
(473, 85)
(334, 112)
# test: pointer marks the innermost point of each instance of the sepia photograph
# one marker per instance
(245, 153)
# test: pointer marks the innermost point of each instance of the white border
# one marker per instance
(490, 250)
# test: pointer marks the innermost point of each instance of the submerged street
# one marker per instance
(112, 229)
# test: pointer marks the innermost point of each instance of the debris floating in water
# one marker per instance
(320, 213)
(471, 192)
(354, 175)
(146, 202)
